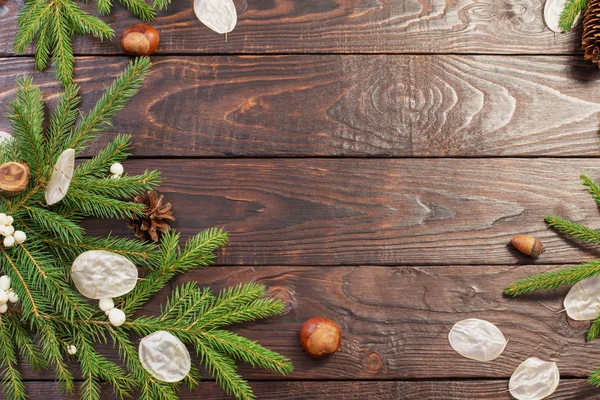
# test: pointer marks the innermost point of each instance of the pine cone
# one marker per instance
(153, 222)
(591, 32)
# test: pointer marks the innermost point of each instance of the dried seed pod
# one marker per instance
(583, 300)
(218, 15)
(320, 337)
(100, 274)
(59, 183)
(552, 11)
(165, 357)
(477, 339)
(528, 245)
(14, 178)
(534, 379)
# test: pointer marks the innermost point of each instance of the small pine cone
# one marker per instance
(154, 222)
(591, 32)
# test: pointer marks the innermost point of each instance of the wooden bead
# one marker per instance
(14, 178)
(528, 245)
(320, 337)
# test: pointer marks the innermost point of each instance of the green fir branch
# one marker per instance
(51, 315)
(125, 86)
(574, 230)
(571, 12)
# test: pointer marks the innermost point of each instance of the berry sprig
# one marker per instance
(11, 237)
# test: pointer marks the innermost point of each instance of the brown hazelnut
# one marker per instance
(320, 337)
(139, 40)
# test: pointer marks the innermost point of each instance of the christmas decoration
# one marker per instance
(477, 339)
(534, 379)
(165, 357)
(320, 337)
(14, 178)
(54, 23)
(51, 315)
(568, 276)
(154, 220)
(218, 15)
(139, 40)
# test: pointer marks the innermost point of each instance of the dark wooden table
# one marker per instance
(371, 160)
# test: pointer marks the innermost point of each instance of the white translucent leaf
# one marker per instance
(218, 15)
(583, 300)
(165, 357)
(552, 11)
(534, 379)
(477, 339)
(100, 274)
(59, 183)
(4, 137)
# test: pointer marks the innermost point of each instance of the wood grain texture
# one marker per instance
(386, 212)
(426, 390)
(395, 321)
(348, 26)
(348, 105)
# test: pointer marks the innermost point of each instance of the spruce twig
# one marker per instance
(570, 13)
(53, 24)
(53, 316)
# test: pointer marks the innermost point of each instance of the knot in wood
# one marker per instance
(14, 178)
(374, 362)
(283, 294)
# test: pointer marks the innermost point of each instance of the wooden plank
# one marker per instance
(347, 26)
(434, 390)
(348, 105)
(386, 212)
(395, 321)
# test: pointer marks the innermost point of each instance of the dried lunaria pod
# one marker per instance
(583, 300)
(477, 339)
(534, 379)
(528, 245)
(4, 137)
(59, 183)
(165, 357)
(100, 274)
(218, 15)
(552, 11)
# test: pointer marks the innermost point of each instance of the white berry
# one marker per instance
(3, 308)
(10, 220)
(13, 297)
(9, 241)
(116, 317)
(20, 237)
(117, 169)
(3, 219)
(4, 282)
(106, 304)
(71, 349)
(3, 297)
(8, 231)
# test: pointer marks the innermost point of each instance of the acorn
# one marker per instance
(528, 245)
(139, 40)
(320, 337)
